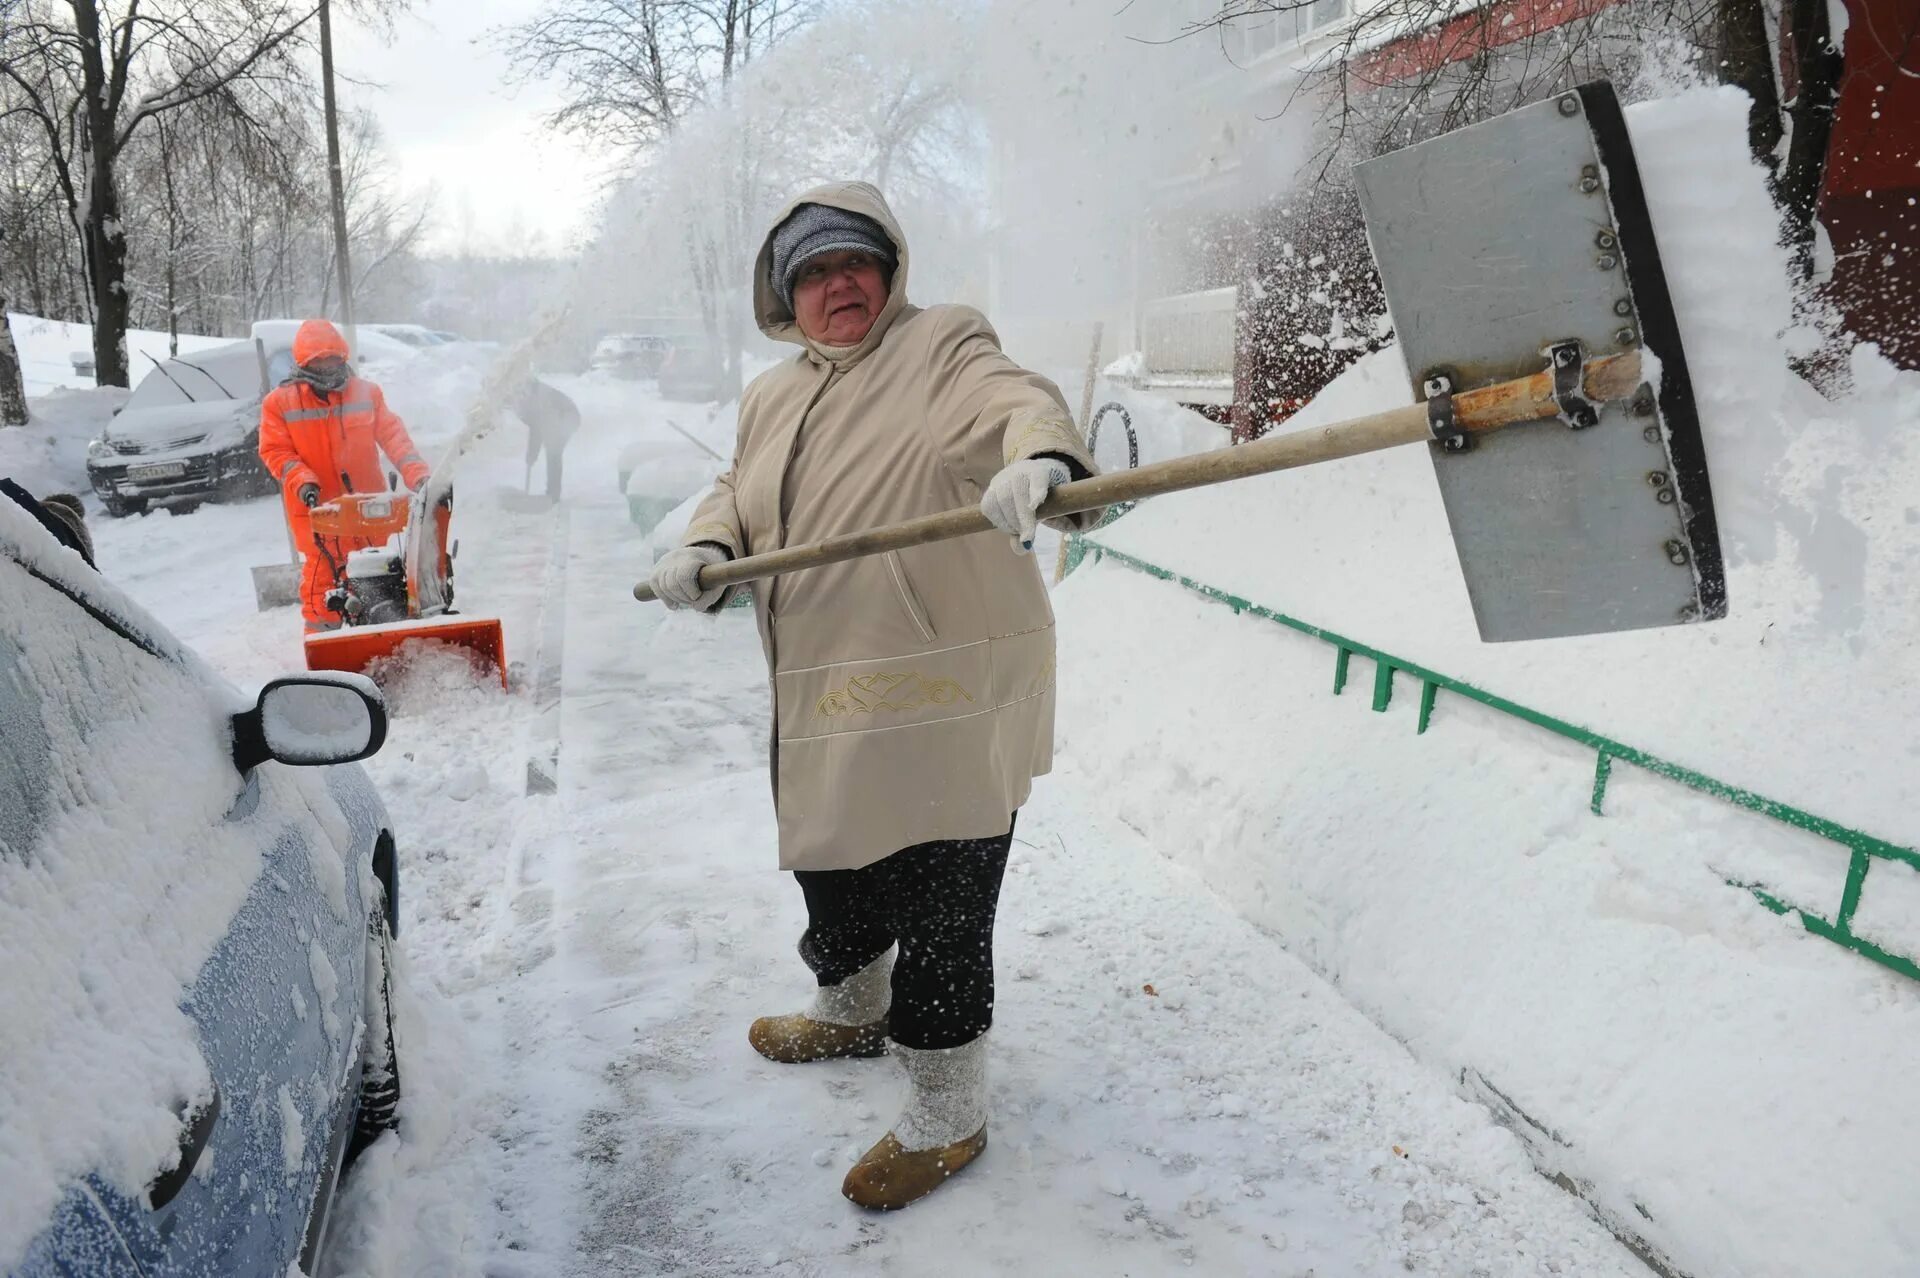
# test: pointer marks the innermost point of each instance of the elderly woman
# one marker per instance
(913, 691)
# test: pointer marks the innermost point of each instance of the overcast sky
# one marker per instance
(503, 182)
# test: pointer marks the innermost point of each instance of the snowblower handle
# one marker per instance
(1524, 399)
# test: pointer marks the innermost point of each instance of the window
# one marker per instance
(1325, 13)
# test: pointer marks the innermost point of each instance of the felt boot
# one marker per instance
(942, 1129)
(848, 1019)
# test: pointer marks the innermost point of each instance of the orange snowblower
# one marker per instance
(397, 590)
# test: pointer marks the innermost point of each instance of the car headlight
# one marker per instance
(99, 450)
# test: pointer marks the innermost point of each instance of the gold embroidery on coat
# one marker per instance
(911, 690)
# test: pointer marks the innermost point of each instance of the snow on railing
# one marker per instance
(1863, 848)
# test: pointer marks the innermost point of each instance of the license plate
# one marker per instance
(159, 470)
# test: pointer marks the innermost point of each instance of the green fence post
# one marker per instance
(1850, 895)
(1602, 769)
(1382, 684)
(1340, 669)
(1428, 688)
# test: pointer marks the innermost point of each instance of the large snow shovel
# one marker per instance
(1521, 271)
(278, 585)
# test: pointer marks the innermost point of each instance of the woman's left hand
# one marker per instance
(1012, 500)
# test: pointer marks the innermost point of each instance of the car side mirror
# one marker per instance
(311, 720)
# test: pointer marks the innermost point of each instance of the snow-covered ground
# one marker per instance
(1172, 1090)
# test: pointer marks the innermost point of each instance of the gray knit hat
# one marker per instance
(813, 229)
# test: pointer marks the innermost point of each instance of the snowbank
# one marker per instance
(1594, 976)
(47, 349)
(49, 453)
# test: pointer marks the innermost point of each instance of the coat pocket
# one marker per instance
(909, 600)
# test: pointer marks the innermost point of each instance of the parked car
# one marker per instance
(629, 355)
(197, 905)
(692, 372)
(190, 431)
(416, 335)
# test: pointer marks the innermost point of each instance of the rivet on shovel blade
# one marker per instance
(1623, 308)
(1626, 337)
(1605, 239)
(1664, 496)
(1656, 479)
(1689, 612)
(1570, 104)
(1589, 178)
(1677, 552)
(1651, 434)
(1606, 261)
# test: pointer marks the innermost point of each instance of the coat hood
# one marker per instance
(776, 318)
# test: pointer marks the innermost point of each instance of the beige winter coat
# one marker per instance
(912, 692)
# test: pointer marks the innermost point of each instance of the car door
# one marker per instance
(250, 889)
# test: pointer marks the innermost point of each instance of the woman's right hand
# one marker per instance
(676, 578)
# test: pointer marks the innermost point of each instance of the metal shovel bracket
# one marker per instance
(1522, 243)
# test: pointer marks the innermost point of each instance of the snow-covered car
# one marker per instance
(189, 432)
(630, 355)
(415, 335)
(197, 913)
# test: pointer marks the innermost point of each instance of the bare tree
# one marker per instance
(13, 396)
(632, 72)
(93, 73)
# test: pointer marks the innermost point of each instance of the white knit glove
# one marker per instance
(1015, 494)
(676, 578)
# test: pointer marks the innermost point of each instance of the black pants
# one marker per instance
(553, 442)
(937, 900)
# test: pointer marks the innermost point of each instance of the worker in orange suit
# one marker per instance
(319, 431)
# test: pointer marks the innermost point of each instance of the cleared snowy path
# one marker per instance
(583, 1100)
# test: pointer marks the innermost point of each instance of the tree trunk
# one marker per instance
(13, 394)
(106, 239)
(1818, 64)
(107, 249)
(1746, 61)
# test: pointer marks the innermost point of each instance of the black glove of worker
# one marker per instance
(309, 495)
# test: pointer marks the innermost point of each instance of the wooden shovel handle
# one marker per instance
(1524, 399)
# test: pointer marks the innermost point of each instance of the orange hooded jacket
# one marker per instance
(334, 442)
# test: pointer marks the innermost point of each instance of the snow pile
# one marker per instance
(47, 349)
(49, 453)
(1597, 976)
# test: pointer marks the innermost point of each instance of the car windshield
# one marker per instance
(223, 373)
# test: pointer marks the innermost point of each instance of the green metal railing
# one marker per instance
(1863, 849)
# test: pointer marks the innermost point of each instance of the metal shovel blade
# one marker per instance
(276, 585)
(1496, 243)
